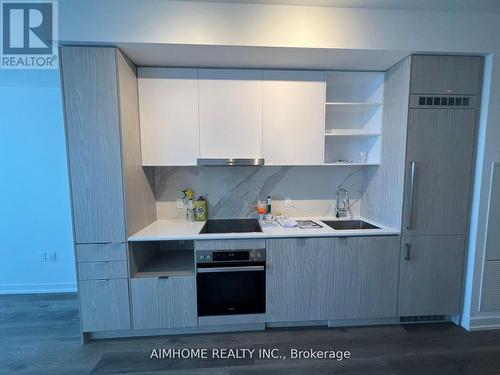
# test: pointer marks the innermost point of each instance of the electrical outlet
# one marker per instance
(288, 202)
(180, 204)
(42, 255)
(52, 256)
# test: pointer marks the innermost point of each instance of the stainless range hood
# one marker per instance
(233, 162)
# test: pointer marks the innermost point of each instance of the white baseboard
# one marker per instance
(484, 323)
(37, 288)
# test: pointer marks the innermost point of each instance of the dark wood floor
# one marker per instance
(39, 334)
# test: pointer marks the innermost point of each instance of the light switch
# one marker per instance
(288, 202)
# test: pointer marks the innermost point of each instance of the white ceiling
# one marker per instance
(469, 6)
(260, 57)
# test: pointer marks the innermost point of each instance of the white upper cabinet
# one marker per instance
(230, 113)
(168, 103)
(293, 117)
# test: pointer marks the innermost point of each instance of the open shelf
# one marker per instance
(351, 133)
(353, 118)
(338, 107)
(162, 258)
(346, 150)
(345, 164)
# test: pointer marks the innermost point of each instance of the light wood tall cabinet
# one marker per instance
(110, 191)
(94, 144)
(439, 157)
(444, 97)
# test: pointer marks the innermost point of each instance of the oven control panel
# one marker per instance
(223, 256)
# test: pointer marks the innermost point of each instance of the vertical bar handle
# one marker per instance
(408, 252)
(413, 170)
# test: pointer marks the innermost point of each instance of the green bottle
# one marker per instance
(200, 209)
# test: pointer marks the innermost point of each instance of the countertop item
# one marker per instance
(308, 224)
(287, 223)
(165, 230)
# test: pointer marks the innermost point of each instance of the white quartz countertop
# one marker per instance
(164, 230)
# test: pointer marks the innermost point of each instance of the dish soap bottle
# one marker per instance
(200, 209)
(190, 210)
(269, 205)
(189, 195)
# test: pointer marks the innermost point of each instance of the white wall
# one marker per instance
(34, 196)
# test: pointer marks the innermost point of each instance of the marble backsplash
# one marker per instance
(233, 192)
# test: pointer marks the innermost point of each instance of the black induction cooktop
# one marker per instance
(231, 226)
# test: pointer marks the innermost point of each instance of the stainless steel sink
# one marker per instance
(349, 224)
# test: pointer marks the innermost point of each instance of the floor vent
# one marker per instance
(424, 319)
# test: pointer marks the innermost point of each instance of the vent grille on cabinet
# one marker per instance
(442, 101)
(424, 319)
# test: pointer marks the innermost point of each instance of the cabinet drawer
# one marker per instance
(101, 252)
(164, 302)
(104, 305)
(102, 270)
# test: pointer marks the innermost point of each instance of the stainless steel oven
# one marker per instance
(231, 282)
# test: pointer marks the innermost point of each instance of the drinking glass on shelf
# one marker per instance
(363, 156)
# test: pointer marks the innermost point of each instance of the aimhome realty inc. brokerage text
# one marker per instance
(248, 353)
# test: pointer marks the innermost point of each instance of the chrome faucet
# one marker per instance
(342, 202)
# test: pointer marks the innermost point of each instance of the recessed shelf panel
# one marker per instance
(339, 164)
(351, 133)
(168, 263)
(162, 259)
(369, 121)
(352, 107)
(348, 150)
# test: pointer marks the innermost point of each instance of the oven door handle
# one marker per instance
(230, 269)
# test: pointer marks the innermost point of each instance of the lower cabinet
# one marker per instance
(431, 275)
(365, 278)
(331, 278)
(164, 302)
(104, 305)
(298, 278)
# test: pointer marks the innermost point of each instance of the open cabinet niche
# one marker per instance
(162, 258)
(353, 117)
